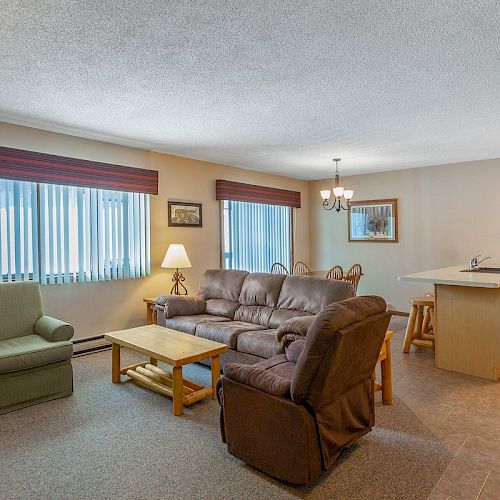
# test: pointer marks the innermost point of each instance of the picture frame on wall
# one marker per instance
(181, 214)
(373, 221)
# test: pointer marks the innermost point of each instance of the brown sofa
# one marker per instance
(290, 416)
(255, 314)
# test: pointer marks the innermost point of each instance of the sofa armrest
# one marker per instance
(258, 378)
(294, 328)
(53, 330)
(180, 305)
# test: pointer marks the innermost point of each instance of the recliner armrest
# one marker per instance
(180, 305)
(53, 330)
(294, 328)
(258, 378)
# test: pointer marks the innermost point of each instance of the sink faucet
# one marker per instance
(474, 263)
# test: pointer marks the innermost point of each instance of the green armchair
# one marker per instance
(35, 351)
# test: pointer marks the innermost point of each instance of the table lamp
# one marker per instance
(177, 258)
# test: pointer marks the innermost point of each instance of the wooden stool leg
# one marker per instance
(410, 328)
(417, 334)
(426, 322)
(115, 363)
(386, 366)
(178, 391)
(431, 312)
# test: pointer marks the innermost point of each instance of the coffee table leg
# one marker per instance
(215, 375)
(178, 392)
(115, 363)
(153, 361)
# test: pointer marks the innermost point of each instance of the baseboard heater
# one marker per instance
(89, 345)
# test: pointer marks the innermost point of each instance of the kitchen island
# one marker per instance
(467, 319)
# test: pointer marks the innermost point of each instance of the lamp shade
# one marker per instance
(176, 257)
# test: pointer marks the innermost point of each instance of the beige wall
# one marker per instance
(94, 308)
(447, 213)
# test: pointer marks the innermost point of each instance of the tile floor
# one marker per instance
(462, 411)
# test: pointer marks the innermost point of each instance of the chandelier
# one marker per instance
(339, 193)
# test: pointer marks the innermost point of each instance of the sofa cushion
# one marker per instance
(221, 307)
(21, 353)
(261, 343)
(21, 307)
(304, 293)
(222, 284)
(226, 332)
(279, 316)
(261, 289)
(260, 315)
(187, 324)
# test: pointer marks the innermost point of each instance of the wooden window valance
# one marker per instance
(238, 191)
(21, 165)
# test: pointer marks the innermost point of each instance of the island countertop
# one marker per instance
(453, 276)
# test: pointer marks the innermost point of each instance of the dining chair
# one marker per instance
(335, 273)
(279, 268)
(353, 276)
(300, 269)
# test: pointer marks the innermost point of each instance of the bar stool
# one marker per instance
(420, 328)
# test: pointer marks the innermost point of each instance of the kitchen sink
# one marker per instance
(494, 270)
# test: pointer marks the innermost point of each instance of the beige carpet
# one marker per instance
(122, 442)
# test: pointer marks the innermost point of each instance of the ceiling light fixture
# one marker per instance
(338, 192)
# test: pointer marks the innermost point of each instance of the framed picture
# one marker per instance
(373, 221)
(184, 214)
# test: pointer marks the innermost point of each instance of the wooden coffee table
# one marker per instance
(173, 348)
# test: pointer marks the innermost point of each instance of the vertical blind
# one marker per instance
(91, 234)
(256, 235)
(18, 230)
(59, 234)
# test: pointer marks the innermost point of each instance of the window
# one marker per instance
(59, 234)
(256, 235)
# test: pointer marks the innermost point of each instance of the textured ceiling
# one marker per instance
(281, 86)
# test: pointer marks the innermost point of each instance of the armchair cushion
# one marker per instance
(22, 353)
(181, 305)
(259, 378)
(53, 330)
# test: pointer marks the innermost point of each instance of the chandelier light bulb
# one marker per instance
(338, 191)
(325, 194)
(348, 194)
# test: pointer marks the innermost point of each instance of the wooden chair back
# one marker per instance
(279, 268)
(335, 273)
(300, 269)
(353, 276)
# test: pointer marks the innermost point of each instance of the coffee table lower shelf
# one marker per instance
(162, 382)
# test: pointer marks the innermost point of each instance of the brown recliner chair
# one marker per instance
(291, 415)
